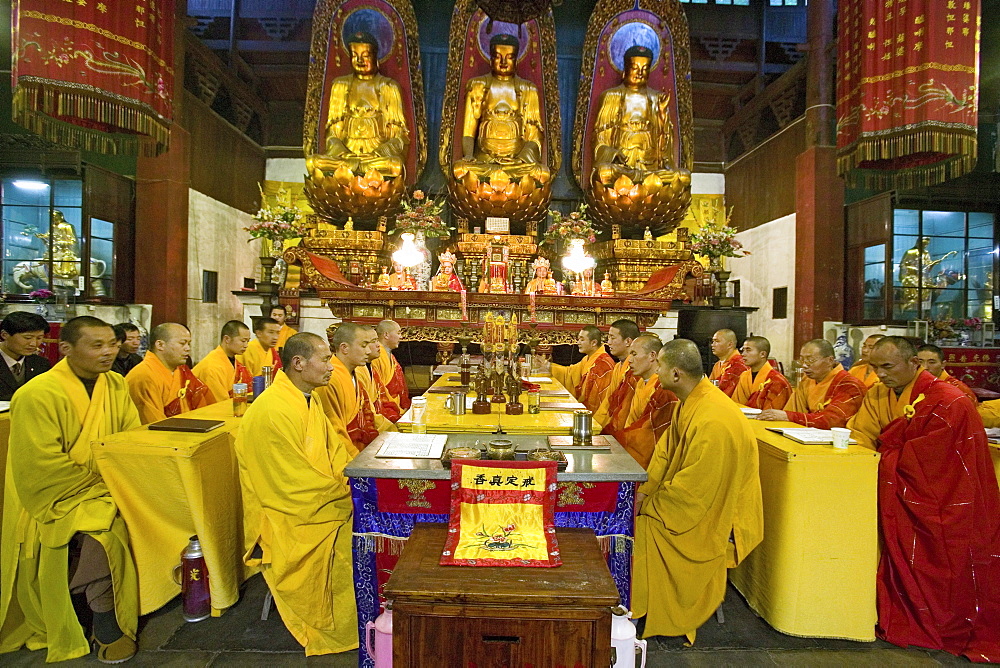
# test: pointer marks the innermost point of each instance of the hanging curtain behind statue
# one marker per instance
(95, 74)
(907, 91)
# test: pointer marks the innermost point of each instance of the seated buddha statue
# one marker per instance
(502, 126)
(585, 286)
(607, 287)
(383, 280)
(446, 279)
(542, 282)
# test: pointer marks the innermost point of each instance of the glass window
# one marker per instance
(874, 282)
(981, 225)
(906, 221)
(944, 223)
(102, 257)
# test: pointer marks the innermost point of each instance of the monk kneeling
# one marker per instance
(297, 501)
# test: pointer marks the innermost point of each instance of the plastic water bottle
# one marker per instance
(419, 408)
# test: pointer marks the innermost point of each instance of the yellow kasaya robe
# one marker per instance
(255, 358)
(703, 487)
(990, 412)
(391, 384)
(364, 378)
(864, 372)
(649, 415)
(574, 377)
(53, 491)
(284, 334)
(765, 389)
(829, 403)
(880, 407)
(616, 399)
(159, 393)
(297, 507)
(219, 374)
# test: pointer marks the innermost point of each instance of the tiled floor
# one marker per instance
(240, 638)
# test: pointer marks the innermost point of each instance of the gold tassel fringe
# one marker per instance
(958, 142)
(36, 105)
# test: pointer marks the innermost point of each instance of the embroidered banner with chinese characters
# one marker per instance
(907, 91)
(502, 514)
(95, 74)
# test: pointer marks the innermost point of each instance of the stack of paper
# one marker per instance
(750, 412)
(807, 435)
(398, 445)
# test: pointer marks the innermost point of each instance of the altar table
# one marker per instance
(439, 419)
(596, 491)
(814, 573)
(171, 485)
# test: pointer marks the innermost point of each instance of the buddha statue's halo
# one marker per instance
(488, 32)
(365, 19)
(634, 33)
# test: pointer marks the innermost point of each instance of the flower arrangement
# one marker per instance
(949, 328)
(43, 296)
(716, 242)
(276, 223)
(574, 226)
(420, 214)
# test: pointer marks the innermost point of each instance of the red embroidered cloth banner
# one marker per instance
(83, 69)
(907, 91)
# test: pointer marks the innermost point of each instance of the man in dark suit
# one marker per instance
(128, 346)
(21, 335)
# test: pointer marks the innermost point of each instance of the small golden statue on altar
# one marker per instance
(446, 279)
(542, 282)
(360, 171)
(495, 264)
(383, 280)
(585, 286)
(400, 279)
(915, 274)
(607, 287)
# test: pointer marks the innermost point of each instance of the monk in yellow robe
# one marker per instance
(298, 502)
(263, 350)
(989, 411)
(613, 409)
(58, 511)
(345, 400)
(588, 379)
(162, 385)
(390, 381)
(700, 510)
(364, 375)
(862, 369)
(760, 386)
(727, 371)
(278, 314)
(827, 397)
(221, 368)
(932, 358)
(652, 407)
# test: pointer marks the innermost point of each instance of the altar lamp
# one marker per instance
(576, 259)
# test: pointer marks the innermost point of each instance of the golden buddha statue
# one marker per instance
(543, 281)
(635, 181)
(65, 248)
(914, 274)
(383, 280)
(501, 171)
(586, 286)
(607, 287)
(360, 171)
(446, 280)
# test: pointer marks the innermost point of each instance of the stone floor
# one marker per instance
(240, 638)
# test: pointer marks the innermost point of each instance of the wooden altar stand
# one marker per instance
(498, 616)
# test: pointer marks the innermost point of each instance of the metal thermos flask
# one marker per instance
(192, 576)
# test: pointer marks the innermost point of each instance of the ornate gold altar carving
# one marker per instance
(523, 198)
(521, 249)
(631, 262)
(654, 200)
(359, 255)
(364, 194)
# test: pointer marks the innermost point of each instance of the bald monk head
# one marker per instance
(868, 344)
(374, 348)
(679, 367)
(643, 355)
(723, 343)
(895, 362)
(89, 346)
(931, 358)
(621, 334)
(350, 344)
(388, 334)
(756, 350)
(305, 359)
(817, 359)
(589, 340)
(267, 331)
(278, 314)
(235, 338)
(171, 343)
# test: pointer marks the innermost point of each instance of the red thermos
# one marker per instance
(193, 579)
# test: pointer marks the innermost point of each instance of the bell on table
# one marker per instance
(192, 575)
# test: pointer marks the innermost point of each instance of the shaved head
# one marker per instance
(902, 344)
(822, 347)
(627, 329)
(304, 345)
(347, 332)
(648, 343)
(386, 327)
(727, 335)
(233, 328)
(593, 334)
(682, 354)
(760, 343)
(166, 332)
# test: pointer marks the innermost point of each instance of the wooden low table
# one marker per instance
(500, 616)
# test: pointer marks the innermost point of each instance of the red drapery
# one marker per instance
(95, 74)
(907, 91)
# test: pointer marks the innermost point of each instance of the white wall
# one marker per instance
(770, 265)
(288, 170)
(216, 242)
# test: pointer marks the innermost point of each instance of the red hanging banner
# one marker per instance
(907, 91)
(95, 74)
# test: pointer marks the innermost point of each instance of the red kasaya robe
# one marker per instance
(613, 412)
(639, 438)
(966, 390)
(939, 506)
(765, 389)
(595, 382)
(394, 395)
(827, 404)
(728, 372)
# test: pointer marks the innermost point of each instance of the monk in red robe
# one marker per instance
(939, 510)
(932, 358)
(827, 397)
(394, 395)
(727, 371)
(613, 410)
(589, 378)
(761, 386)
(652, 406)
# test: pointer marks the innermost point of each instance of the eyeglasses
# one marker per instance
(809, 361)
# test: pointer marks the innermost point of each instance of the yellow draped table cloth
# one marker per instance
(814, 573)
(171, 485)
(438, 419)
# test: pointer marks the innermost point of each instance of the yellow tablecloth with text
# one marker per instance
(440, 420)
(814, 573)
(171, 485)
